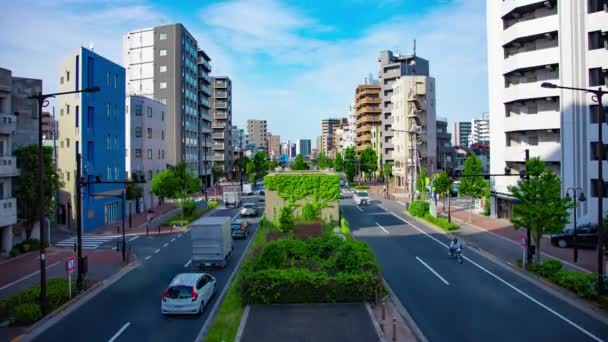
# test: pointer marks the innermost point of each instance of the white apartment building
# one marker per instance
(414, 126)
(531, 42)
(480, 132)
(145, 142)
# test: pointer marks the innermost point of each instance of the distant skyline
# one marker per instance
(291, 64)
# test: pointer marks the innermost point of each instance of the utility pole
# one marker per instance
(43, 302)
(528, 234)
(81, 270)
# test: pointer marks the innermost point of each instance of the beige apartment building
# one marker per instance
(258, 133)
(274, 146)
(367, 112)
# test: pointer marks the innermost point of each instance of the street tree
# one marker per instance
(368, 159)
(421, 182)
(540, 207)
(272, 164)
(217, 172)
(338, 163)
(26, 185)
(164, 184)
(472, 183)
(323, 161)
(387, 172)
(443, 185)
(299, 164)
(350, 158)
(257, 167)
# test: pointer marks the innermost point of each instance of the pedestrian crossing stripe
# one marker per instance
(88, 241)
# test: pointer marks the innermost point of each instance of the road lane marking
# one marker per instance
(27, 276)
(234, 217)
(172, 240)
(188, 263)
(148, 257)
(358, 207)
(432, 270)
(124, 327)
(179, 235)
(379, 225)
(133, 238)
(532, 299)
(165, 245)
(156, 251)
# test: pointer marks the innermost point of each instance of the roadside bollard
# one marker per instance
(118, 229)
(147, 229)
(383, 311)
(394, 329)
(117, 246)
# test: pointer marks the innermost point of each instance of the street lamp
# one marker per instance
(597, 95)
(44, 102)
(581, 198)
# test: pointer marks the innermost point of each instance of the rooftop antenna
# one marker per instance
(414, 47)
(91, 45)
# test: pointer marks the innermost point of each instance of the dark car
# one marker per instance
(586, 237)
(240, 229)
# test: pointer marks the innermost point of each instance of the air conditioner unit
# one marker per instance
(548, 4)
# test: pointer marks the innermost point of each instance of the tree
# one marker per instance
(338, 163)
(322, 161)
(257, 166)
(472, 183)
(133, 190)
(541, 209)
(272, 164)
(368, 158)
(350, 158)
(26, 185)
(217, 172)
(187, 182)
(421, 182)
(442, 184)
(164, 184)
(387, 171)
(299, 163)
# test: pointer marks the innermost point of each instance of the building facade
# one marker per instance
(145, 142)
(162, 64)
(561, 42)
(462, 131)
(94, 126)
(274, 146)
(204, 113)
(368, 114)
(328, 132)
(445, 150)
(480, 132)
(221, 111)
(392, 67)
(258, 133)
(414, 123)
(303, 147)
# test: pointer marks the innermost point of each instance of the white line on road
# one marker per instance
(532, 299)
(172, 239)
(188, 263)
(124, 327)
(432, 270)
(378, 224)
(179, 235)
(358, 207)
(134, 238)
(235, 216)
(27, 276)
(156, 251)
(148, 257)
(165, 245)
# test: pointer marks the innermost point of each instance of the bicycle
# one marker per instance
(458, 253)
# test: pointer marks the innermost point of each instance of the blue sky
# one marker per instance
(291, 62)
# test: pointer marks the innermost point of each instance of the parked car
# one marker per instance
(361, 198)
(188, 293)
(240, 229)
(586, 237)
(249, 209)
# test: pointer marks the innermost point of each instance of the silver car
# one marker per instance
(188, 293)
(249, 209)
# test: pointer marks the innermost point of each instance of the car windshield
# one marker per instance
(362, 194)
(248, 206)
(236, 226)
(179, 292)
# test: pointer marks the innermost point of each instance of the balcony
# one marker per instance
(221, 94)
(531, 59)
(368, 92)
(217, 135)
(8, 211)
(531, 90)
(548, 152)
(218, 125)
(205, 89)
(220, 84)
(221, 115)
(205, 64)
(532, 122)
(218, 157)
(8, 123)
(204, 76)
(217, 147)
(220, 104)
(368, 100)
(8, 166)
(530, 28)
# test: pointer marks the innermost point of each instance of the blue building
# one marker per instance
(93, 125)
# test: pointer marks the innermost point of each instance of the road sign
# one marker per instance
(522, 241)
(70, 264)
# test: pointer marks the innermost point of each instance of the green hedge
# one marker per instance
(26, 246)
(582, 284)
(296, 186)
(187, 219)
(418, 208)
(361, 187)
(440, 222)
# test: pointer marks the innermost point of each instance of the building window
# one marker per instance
(163, 101)
(109, 173)
(138, 153)
(594, 111)
(138, 110)
(67, 142)
(163, 52)
(597, 5)
(596, 78)
(158, 154)
(91, 151)
(149, 112)
(149, 133)
(163, 68)
(108, 142)
(67, 175)
(116, 143)
(149, 174)
(163, 36)
(67, 109)
(115, 81)
(162, 134)
(593, 151)
(163, 154)
(108, 79)
(138, 132)
(149, 153)
(594, 189)
(77, 114)
(115, 172)
(163, 85)
(162, 116)
(108, 110)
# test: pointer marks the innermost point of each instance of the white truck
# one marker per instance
(232, 196)
(211, 242)
(248, 189)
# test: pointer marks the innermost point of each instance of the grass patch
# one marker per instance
(345, 229)
(441, 222)
(186, 220)
(360, 186)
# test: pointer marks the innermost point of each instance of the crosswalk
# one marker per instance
(88, 241)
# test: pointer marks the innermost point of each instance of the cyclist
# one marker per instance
(455, 245)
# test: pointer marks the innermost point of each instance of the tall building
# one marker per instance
(368, 113)
(18, 127)
(161, 64)
(529, 43)
(239, 141)
(221, 98)
(303, 147)
(205, 119)
(48, 126)
(414, 122)
(328, 130)
(145, 145)
(445, 150)
(392, 67)
(274, 146)
(93, 125)
(258, 133)
(462, 131)
(480, 132)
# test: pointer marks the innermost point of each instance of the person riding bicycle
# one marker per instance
(455, 245)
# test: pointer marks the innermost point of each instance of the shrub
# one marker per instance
(26, 246)
(580, 283)
(361, 187)
(286, 220)
(345, 229)
(188, 207)
(310, 211)
(3, 310)
(27, 313)
(548, 268)
(418, 208)
(440, 222)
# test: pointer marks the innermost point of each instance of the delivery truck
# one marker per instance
(211, 242)
(248, 189)
(232, 196)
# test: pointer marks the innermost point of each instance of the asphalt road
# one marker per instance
(131, 306)
(478, 300)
